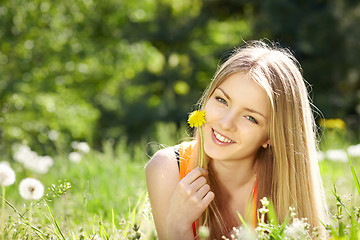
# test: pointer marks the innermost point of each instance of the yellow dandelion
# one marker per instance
(197, 118)
(332, 123)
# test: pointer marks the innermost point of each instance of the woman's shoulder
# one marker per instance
(166, 159)
(162, 157)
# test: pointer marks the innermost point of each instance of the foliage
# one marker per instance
(104, 197)
(95, 70)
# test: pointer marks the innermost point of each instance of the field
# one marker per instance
(108, 200)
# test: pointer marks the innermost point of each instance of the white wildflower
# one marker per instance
(264, 202)
(336, 155)
(204, 232)
(297, 230)
(31, 189)
(354, 150)
(244, 233)
(263, 210)
(75, 157)
(7, 175)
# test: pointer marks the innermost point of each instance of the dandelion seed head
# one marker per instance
(31, 160)
(82, 147)
(75, 157)
(7, 174)
(336, 155)
(31, 189)
(23, 154)
(354, 150)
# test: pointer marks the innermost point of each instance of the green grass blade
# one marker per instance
(133, 212)
(243, 221)
(356, 180)
(36, 230)
(272, 214)
(55, 222)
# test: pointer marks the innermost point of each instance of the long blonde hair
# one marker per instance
(287, 171)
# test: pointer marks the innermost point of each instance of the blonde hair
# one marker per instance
(287, 172)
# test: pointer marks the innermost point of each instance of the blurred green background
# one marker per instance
(96, 71)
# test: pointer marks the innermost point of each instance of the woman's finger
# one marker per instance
(193, 175)
(201, 193)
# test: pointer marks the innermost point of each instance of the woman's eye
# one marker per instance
(220, 99)
(252, 119)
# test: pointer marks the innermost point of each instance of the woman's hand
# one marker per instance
(175, 204)
(191, 197)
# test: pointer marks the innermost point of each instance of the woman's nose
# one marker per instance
(227, 122)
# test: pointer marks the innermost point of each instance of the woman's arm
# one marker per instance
(175, 205)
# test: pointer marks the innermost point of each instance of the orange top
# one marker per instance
(186, 164)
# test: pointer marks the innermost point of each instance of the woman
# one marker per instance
(259, 141)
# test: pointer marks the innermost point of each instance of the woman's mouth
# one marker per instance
(222, 139)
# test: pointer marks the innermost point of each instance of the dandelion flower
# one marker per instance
(197, 118)
(7, 175)
(31, 189)
(75, 157)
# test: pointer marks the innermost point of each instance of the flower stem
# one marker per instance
(202, 148)
(2, 212)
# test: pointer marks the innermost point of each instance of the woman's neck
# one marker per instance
(234, 183)
(234, 175)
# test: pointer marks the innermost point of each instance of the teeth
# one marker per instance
(222, 138)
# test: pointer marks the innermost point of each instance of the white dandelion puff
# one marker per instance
(7, 175)
(354, 150)
(23, 154)
(31, 189)
(42, 164)
(31, 160)
(83, 147)
(75, 157)
(336, 155)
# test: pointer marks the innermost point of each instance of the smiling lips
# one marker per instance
(222, 138)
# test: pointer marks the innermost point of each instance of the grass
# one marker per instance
(108, 199)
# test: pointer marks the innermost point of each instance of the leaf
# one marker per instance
(356, 180)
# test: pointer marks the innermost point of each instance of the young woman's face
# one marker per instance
(237, 116)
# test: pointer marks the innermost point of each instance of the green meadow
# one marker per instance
(108, 199)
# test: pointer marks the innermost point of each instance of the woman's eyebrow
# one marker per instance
(226, 95)
(247, 109)
(254, 111)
